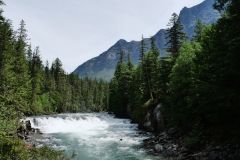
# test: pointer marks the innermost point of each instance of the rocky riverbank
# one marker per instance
(27, 133)
(169, 143)
(166, 144)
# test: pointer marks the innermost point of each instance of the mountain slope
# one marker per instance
(103, 66)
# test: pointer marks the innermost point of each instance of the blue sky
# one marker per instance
(77, 30)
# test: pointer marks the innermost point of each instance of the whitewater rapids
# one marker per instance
(92, 136)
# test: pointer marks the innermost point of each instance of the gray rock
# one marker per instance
(147, 125)
(158, 118)
(158, 148)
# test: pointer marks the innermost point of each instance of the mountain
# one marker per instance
(103, 66)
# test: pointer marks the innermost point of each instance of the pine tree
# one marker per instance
(36, 79)
(9, 107)
(57, 72)
(21, 68)
(218, 73)
(142, 49)
(182, 88)
(7, 76)
(142, 66)
(120, 88)
(198, 31)
(130, 65)
(174, 35)
(154, 48)
(118, 70)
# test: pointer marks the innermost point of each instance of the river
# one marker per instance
(92, 136)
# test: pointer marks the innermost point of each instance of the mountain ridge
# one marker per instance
(103, 66)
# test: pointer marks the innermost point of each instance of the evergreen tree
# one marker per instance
(218, 74)
(9, 106)
(21, 68)
(174, 35)
(154, 48)
(29, 57)
(150, 65)
(36, 79)
(199, 31)
(29, 88)
(142, 49)
(181, 88)
(130, 65)
(120, 89)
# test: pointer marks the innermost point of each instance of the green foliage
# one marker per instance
(120, 88)
(20, 67)
(218, 73)
(12, 148)
(132, 87)
(175, 35)
(181, 87)
(150, 73)
(27, 87)
(197, 85)
(204, 83)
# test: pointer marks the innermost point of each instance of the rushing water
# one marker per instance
(93, 136)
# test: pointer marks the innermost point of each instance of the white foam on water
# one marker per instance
(93, 134)
(68, 124)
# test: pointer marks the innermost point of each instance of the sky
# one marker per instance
(78, 30)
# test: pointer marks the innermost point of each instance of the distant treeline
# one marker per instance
(197, 85)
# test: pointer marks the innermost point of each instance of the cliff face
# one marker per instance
(204, 12)
(103, 66)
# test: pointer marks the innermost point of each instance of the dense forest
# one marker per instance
(28, 87)
(196, 85)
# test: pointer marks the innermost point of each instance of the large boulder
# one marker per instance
(157, 118)
(147, 125)
(153, 121)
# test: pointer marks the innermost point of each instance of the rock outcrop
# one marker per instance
(25, 132)
(170, 145)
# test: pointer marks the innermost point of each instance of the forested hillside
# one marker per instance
(29, 87)
(195, 90)
(192, 95)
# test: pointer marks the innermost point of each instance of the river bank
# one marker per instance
(170, 145)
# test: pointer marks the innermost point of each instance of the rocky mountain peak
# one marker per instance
(103, 66)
